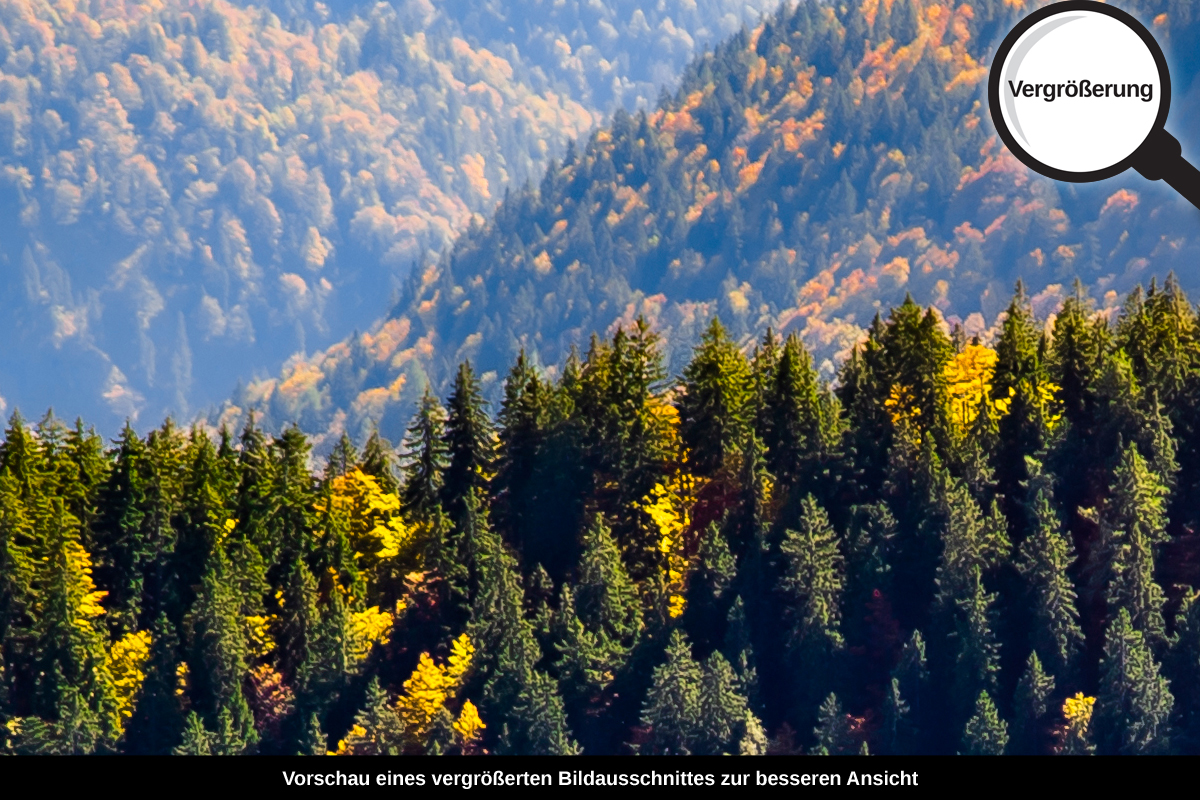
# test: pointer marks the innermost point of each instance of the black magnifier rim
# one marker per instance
(995, 80)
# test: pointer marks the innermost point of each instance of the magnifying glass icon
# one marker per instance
(1079, 91)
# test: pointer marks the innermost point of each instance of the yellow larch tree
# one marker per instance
(431, 687)
(127, 664)
(669, 507)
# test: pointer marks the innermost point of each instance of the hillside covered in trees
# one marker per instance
(191, 192)
(808, 173)
(956, 548)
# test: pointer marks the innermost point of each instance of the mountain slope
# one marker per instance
(805, 175)
(193, 191)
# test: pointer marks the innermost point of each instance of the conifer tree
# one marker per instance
(124, 548)
(522, 420)
(971, 542)
(714, 405)
(1134, 706)
(813, 580)
(18, 571)
(158, 721)
(721, 721)
(70, 655)
(197, 741)
(985, 733)
(977, 661)
(342, 459)
(537, 724)
(1075, 357)
(1033, 690)
(706, 605)
(1133, 522)
(294, 493)
(219, 651)
(739, 651)
(607, 600)
(1181, 665)
(377, 728)
(379, 461)
(425, 458)
(256, 503)
(470, 442)
(671, 710)
(896, 731)
(1018, 379)
(1045, 556)
(796, 428)
(299, 626)
(314, 742)
(834, 736)
(904, 704)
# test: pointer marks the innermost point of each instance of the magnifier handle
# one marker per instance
(1161, 159)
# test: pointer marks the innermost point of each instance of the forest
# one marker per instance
(954, 546)
(805, 174)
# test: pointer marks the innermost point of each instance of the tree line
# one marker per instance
(957, 546)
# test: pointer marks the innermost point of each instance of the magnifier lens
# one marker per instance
(1080, 92)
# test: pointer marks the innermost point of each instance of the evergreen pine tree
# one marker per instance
(469, 441)
(219, 660)
(314, 742)
(1033, 690)
(834, 736)
(813, 580)
(1045, 556)
(722, 712)
(1134, 706)
(714, 404)
(797, 429)
(985, 733)
(671, 710)
(377, 728)
(1181, 666)
(197, 741)
(1018, 378)
(425, 459)
(379, 461)
(1133, 522)
(607, 600)
(977, 661)
(158, 721)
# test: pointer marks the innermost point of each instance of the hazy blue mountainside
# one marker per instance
(192, 192)
(806, 174)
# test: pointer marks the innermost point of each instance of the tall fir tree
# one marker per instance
(813, 583)
(470, 442)
(671, 711)
(1133, 708)
(714, 405)
(424, 459)
(985, 733)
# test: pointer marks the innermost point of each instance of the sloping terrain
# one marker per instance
(190, 192)
(806, 174)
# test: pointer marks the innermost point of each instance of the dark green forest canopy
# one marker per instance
(955, 547)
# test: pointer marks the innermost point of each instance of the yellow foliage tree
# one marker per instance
(1074, 735)
(384, 547)
(969, 382)
(127, 664)
(669, 507)
(375, 528)
(467, 728)
(431, 686)
(367, 629)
